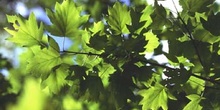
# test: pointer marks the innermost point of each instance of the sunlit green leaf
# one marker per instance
(194, 86)
(146, 15)
(154, 98)
(205, 36)
(66, 19)
(194, 103)
(56, 79)
(43, 62)
(118, 17)
(97, 27)
(153, 41)
(25, 32)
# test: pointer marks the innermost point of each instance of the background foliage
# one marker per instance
(105, 65)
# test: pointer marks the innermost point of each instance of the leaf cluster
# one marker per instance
(106, 60)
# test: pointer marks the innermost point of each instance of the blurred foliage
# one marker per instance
(105, 67)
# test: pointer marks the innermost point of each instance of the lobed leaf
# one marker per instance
(57, 79)
(43, 62)
(212, 24)
(118, 17)
(66, 19)
(194, 103)
(195, 5)
(154, 98)
(25, 32)
(153, 41)
(97, 27)
(194, 86)
(159, 18)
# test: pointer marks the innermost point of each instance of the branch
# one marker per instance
(145, 61)
(82, 53)
(169, 68)
(206, 79)
(190, 36)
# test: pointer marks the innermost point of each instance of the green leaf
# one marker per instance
(53, 44)
(25, 32)
(194, 86)
(212, 24)
(136, 24)
(195, 5)
(154, 98)
(159, 18)
(194, 103)
(118, 17)
(97, 27)
(94, 86)
(56, 79)
(205, 36)
(66, 19)
(43, 62)
(98, 42)
(146, 15)
(153, 42)
(120, 88)
(185, 49)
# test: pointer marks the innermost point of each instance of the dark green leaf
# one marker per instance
(98, 42)
(196, 5)
(212, 24)
(53, 44)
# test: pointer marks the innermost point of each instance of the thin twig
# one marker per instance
(190, 35)
(82, 53)
(206, 79)
(147, 62)
(169, 68)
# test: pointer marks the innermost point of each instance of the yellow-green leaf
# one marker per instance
(154, 98)
(25, 32)
(56, 79)
(43, 62)
(118, 17)
(99, 26)
(66, 19)
(153, 42)
(194, 103)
